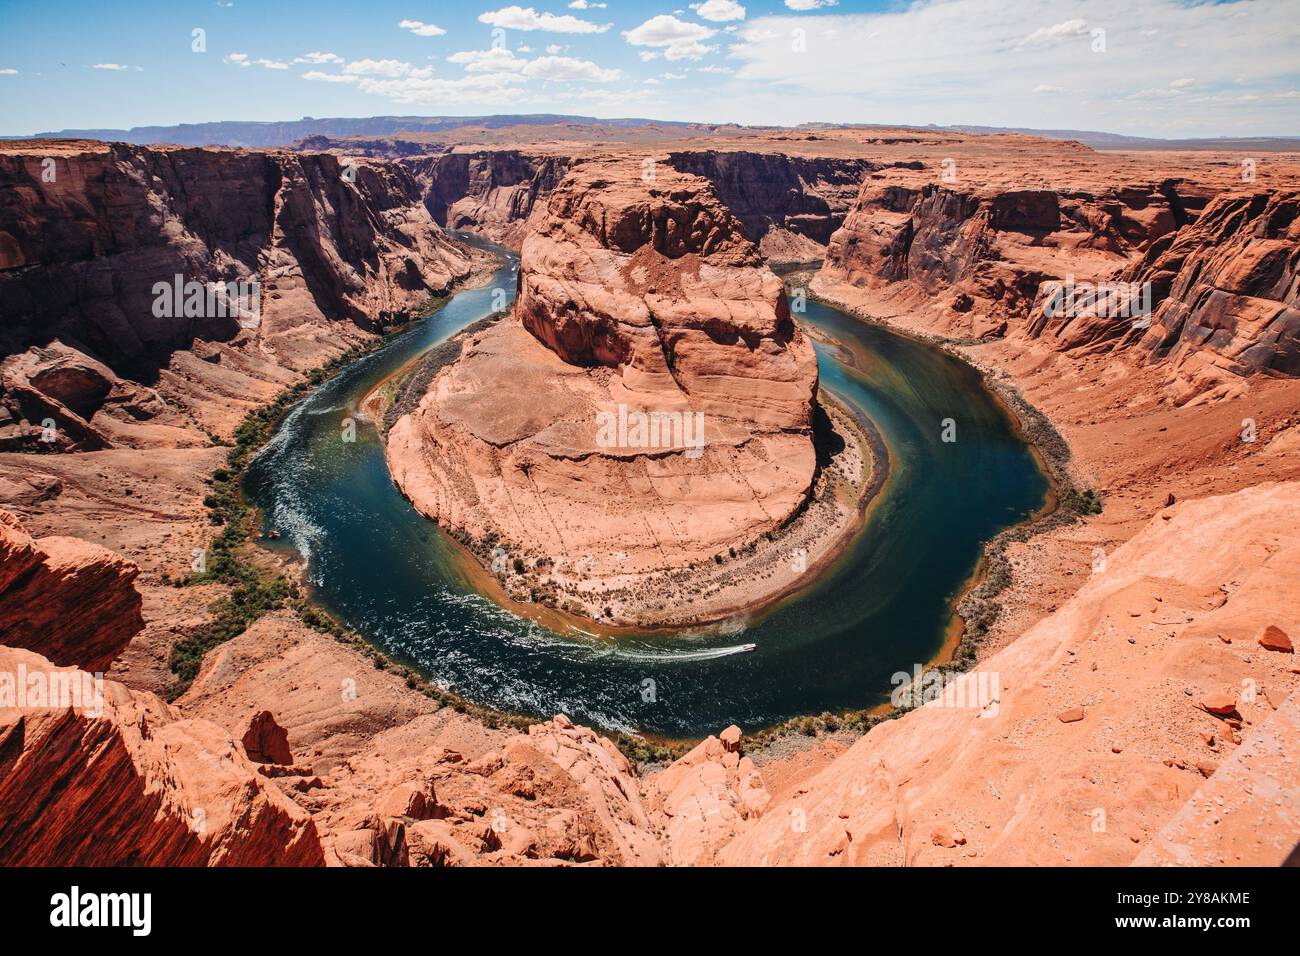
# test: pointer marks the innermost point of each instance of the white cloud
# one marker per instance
(584, 5)
(499, 60)
(1183, 83)
(1068, 28)
(526, 18)
(421, 29)
(328, 77)
(973, 62)
(393, 68)
(648, 55)
(672, 76)
(555, 48)
(272, 64)
(809, 4)
(719, 11)
(567, 68)
(677, 39)
(712, 68)
(478, 88)
(8, 71)
(688, 51)
(122, 66)
(318, 58)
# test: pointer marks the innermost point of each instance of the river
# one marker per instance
(882, 608)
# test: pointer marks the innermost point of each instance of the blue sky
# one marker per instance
(1150, 67)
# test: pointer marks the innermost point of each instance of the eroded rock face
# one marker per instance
(635, 298)
(987, 250)
(130, 782)
(68, 599)
(781, 199)
(1130, 660)
(1227, 293)
(494, 192)
(705, 798)
(87, 230)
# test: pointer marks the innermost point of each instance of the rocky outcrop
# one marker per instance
(989, 771)
(70, 600)
(1226, 292)
(638, 301)
(92, 235)
(781, 199)
(557, 795)
(122, 779)
(985, 251)
(703, 799)
(489, 191)
(265, 741)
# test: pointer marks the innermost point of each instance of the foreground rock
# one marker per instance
(1021, 786)
(127, 781)
(647, 410)
(65, 598)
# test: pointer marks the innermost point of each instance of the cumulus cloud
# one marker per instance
(677, 39)
(485, 88)
(567, 68)
(809, 4)
(122, 66)
(318, 58)
(584, 5)
(496, 60)
(384, 68)
(526, 18)
(719, 11)
(421, 29)
(239, 59)
(272, 64)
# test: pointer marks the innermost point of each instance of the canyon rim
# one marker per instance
(781, 481)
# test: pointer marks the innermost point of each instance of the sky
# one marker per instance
(1168, 68)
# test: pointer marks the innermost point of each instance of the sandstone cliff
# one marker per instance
(67, 599)
(1098, 724)
(790, 205)
(88, 229)
(490, 191)
(983, 251)
(1227, 294)
(127, 781)
(636, 297)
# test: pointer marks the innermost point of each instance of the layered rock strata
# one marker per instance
(67, 599)
(647, 408)
(124, 780)
(91, 232)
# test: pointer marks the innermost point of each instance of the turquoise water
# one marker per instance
(882, 608)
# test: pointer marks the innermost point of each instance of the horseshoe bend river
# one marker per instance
(884, 606)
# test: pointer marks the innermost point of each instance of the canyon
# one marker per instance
(1142, 676)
